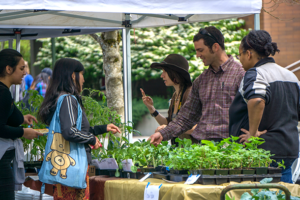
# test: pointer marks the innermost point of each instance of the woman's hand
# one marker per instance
(160, 127)
(113, 128)
(28, 119)
(97, 144)
(30, 133)
(148, 101)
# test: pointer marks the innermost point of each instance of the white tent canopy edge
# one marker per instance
(115, 14)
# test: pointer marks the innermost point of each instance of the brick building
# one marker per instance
(286, 33)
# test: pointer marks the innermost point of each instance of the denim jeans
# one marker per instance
(287, 172)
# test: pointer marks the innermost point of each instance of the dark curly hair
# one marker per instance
(216, 37)
(261, 42)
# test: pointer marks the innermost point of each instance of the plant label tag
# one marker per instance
(145, 177)
(108, 163)
(151, 192)
(127, 165)
(192, 179)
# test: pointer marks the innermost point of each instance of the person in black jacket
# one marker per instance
(267, 103)
(67, 78)
(11, 72)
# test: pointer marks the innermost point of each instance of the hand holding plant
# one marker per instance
(156, 138)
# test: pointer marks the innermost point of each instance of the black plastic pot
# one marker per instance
(207, 171)
(102, 172)
(207, 180)
(221, 179)
(248, 171)
(194, 172)
(175, 171)
(112, 172)
(273, 170)
(178, 177)
(221, 171)
(148, 169)
(261, 170)
(235, 178)
(235, 171)
(33, 164)
(161, 169)
(249, 177)
(131, 175)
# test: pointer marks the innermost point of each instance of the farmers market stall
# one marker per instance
(75, 17)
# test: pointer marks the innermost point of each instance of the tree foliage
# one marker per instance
(147, 45)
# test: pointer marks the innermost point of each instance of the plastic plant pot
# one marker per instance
(235, 171)
(207, 171)
(273, 170)
(248, 171)
(175, 171)
(221, 171)
(261, 170)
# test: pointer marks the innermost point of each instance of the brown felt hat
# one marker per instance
(176, 63)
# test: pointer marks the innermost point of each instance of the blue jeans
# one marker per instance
(287, 172)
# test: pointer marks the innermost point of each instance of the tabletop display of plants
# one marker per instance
(227, 154)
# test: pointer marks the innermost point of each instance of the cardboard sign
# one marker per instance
(127, 165)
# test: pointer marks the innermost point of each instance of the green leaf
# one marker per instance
(246, 196)
(266, 180)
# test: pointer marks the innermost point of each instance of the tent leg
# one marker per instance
(256, 21)
(18, 48)
(127, 77)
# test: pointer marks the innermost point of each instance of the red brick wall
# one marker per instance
(285, 33)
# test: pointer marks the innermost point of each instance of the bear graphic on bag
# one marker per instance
(59, 156)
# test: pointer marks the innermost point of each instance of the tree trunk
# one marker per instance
(112, 65)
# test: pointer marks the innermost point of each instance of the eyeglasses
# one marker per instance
(239, 56)
(203, 31)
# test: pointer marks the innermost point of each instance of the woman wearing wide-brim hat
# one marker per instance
(175, 72)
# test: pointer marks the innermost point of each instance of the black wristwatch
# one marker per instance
(154, 114)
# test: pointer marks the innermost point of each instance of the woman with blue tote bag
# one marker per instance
(68, 151)
(11, 147)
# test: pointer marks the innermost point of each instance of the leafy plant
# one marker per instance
(35, 101)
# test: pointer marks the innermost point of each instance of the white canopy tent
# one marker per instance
(32, 17)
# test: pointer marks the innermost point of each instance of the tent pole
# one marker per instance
(53, 52)
(18, 48)
(257, 21)
(127, 75)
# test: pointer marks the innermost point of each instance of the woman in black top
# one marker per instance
(67, 78)
(11, 72)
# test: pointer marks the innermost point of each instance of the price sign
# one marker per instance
(192, 179)
(151, 192)
(127, 165)
(108, 163)
(145, 177)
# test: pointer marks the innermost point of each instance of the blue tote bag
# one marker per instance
(64, 162)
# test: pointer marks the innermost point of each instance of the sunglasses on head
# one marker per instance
(203, 31)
